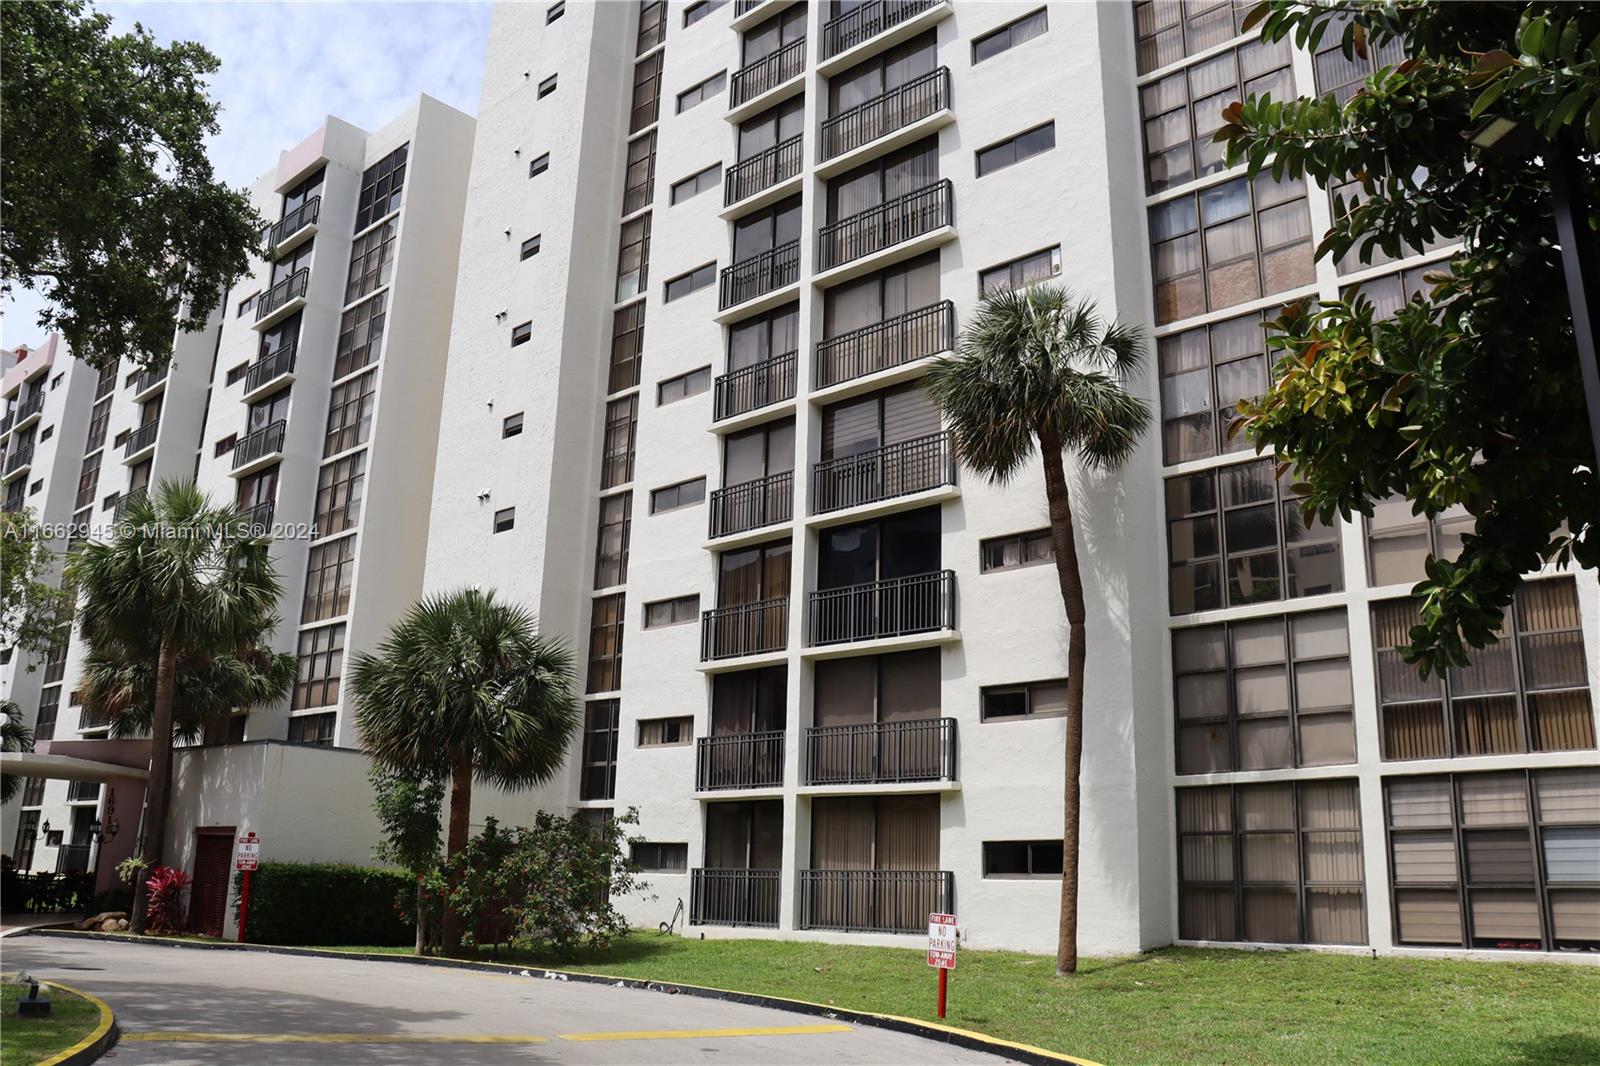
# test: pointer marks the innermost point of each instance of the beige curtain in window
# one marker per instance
(1428, 917)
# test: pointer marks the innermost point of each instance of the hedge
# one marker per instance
(328, 903)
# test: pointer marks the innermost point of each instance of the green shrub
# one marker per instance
(327, 903)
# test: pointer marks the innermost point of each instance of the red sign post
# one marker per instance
(246, 857)
(942, 950)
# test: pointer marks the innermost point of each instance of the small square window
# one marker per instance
(699, 10)
(678, 611)
(547, 86)
(225, 445)
(512, 425)
(660, 858)
(697, 183)
(55, 382)
(683, 386)
(521, 334)
(666, 732)
(46, 433)
(530, 247)
(1016, 550)
(1022, 858)
(539, 166)
(1036, 699)
(237, 373)
(504, 520)
(121, 438)
(557, 9)
(699, 278)
(246, 304)
(36, 486)
(110, 501)
(128, 381)
(672, 497)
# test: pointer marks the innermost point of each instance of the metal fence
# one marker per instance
(752, 504)
(759, 275)
(739, 760)
(882, 115)
(890, 223)
(734, 897)
(881, 752)
(883, 901)
(756, 386)
(893, 607)
(884, 473)
(747, 629)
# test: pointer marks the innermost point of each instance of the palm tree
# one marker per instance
(1041, 368)
(14, 736)
(181, 578)
(465, 686)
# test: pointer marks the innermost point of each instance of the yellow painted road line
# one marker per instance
(178, 1037)
(98, 1033)
(698, 1034)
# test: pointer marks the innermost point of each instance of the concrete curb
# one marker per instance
(99, 1041)
(962, 1038)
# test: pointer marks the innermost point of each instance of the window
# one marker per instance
(1016, 550)
(1273, 864)
(1205, 373)
(505, 519)
(539, 165)
(530, 247)
(660, 858)
(106, 504)
(380, 188)
(699, 10)
(88, 480)
(652, 25)
(627, 341)
(683, 386)
(695, 184)
(699, 94)
(237, 373)
(1009, 36)
(547, 86)
(605, 645)
(555, 11)
(638, 185)
(130, 379)
(350, 414)
(512, 426)
(330, 572)
(225, 445)
(616, 462)
(1166, 32)
(683, 494)
(371, 261)
(678, 611)
(597, 778)
(1400, 541)
(1526, 693)
(27, 837)
(360, 335)
(99, 419)
(35, 487)
(321, 661)
(1234, 536)
(1016, 149)
(666, 732)
(246, 304)
(1184, 109)
(1020, 273)
(1022, 858)
(611, 545)
(1229, 244)
(521, 334)
(1035, 699)
(646, 92)
(340, 486)
(633, 258)
(1496, 860)
(1264, 694)
(699, 278)
(1340, 75)
(313, 729)
(44, 724)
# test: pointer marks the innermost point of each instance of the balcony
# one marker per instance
(27, 411)
(868, 21)
(924, 213)
(876, 610)
(276, 303)
(141, 442)
(750, 13)
(734, 897)
(295, 227)
(19, 461)
(894, 342)
(6, 420)
(760, 276)
(258, 519)
(259, 449)
(269, 371)
(126, 501)
(741, 760)
(752, 505)
(908, 109)
(748, 629)
(759, 84)
(150, 382)
(889, 472)
(763, 178)
(753, 387)
(878, 753)
(874, 901)
(73, 858)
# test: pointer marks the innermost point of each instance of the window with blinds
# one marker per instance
(1399, 542)
(1205, 373)
(906, 170)
(891, 416)
(666, 732)
(875, 833)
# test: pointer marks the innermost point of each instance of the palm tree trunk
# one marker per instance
(1064, 541)
(460, 829)
(158, 790)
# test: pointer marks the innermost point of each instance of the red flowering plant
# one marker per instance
(167, 890)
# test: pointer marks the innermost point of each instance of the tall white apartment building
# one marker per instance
(312, 401)
(711, 247)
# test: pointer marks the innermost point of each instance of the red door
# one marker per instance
(208, 895)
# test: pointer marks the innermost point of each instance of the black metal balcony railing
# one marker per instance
(20, 457)
(768, 73)
(752, 504)
(149, 379)
(882, 115)
(295, 221)
(890, 223)
(127, 500)
(893, 607)
(747, 629)
(740, 760)
(288, 289)
(6, 420)
(258, 519)
(72, 859)
(269, 367)
(141, 438)
(881, 752)
(14, 502)
(881, 901)
(866, 22)
(744, 7)
(760, 274)
(753, 387)
(28, 408)
(890, 343)
(884, 473)
(734, 897)
(761, 171)
(262, 442)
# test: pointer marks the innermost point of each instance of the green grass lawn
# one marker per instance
(1175, 1005)
(24, 1041)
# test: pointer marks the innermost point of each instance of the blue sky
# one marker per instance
(287, 65)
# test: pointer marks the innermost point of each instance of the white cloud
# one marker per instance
(285, 66)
